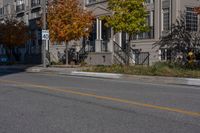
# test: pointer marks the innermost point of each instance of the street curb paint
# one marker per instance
(99, 75)
(195, 82)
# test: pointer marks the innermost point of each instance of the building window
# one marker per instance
(150, 33)
(166, 24)
(1, 11)
(93, 1)
(149, 1)
(191, 19)
(162, 54)
(20, 5)
(35, 3)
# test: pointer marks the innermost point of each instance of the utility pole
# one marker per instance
(44, 28)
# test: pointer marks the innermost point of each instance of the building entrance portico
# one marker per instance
(102, 39)
(98, 44)
(100, 34)
(103, 36)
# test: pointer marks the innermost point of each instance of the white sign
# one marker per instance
(45, 34)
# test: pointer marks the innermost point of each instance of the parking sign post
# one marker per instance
(45, 39)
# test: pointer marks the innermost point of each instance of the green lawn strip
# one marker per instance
(155, 70)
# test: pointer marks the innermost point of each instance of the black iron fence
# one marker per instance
(135, 56)
(120, 52)
(89, 46)
(142, 58)
(104, 46)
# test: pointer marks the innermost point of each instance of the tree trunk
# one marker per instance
(128, 50)
(9, 54)
(66, 53)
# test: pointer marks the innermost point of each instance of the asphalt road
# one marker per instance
(48, 103)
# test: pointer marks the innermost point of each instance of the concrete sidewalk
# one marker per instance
(78, 71)
(39, 68)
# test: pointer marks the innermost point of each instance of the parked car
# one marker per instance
(4, 59)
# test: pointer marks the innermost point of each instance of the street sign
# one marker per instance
(45, 34)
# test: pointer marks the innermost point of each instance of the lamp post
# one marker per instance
(44, 28)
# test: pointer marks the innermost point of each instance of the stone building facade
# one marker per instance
(102, 42)
(161, 15)
(29, 11)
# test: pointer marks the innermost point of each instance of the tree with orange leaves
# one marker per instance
(197, 10)
(68, 21)
(13, 33)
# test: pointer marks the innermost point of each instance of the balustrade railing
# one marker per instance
(35, 3)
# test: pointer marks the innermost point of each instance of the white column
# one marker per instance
(84, 4)
(98, 42)
(100, 29)
(151, 18)
(114, 38)
(110, 43)
(159, 54)
(97, 29)
(157, 18)
(120, 39)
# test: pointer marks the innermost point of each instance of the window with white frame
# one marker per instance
(149, 1)
(35, 3)
(191, 19)
(19, 2)
(1, 11)
(165, 19)
(150, 33)
(91, 1)
(20, 5)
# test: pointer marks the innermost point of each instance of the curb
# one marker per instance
(97, 75)
(193, 82)
(148, 79)
(164, 80)
(34, 70)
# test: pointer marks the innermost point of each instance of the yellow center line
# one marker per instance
(176, 110)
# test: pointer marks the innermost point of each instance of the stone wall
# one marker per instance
(99, 58)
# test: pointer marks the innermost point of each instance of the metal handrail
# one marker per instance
(120, 52)
(83, 52)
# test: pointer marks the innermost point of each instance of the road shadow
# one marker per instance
(18, 64)
(14, 69)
